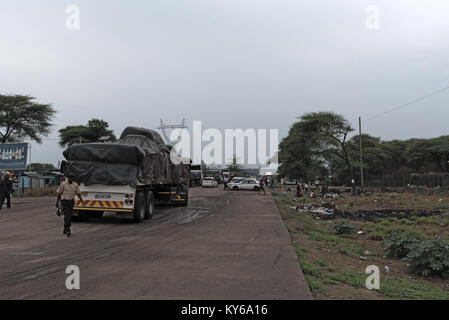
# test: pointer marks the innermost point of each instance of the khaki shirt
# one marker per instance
(68, 191)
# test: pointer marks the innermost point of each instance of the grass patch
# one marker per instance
(329, 259)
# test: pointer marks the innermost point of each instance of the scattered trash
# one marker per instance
(387, 269)
(360, 232)
(367, 253)
(363, 258)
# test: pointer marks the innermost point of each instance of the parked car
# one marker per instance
(209, 182)
(245, 184)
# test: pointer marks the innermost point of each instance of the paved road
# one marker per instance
(224, 245)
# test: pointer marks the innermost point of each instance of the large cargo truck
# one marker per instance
(128, 176)
(196, 175)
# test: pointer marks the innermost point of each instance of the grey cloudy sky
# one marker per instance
(229, 63)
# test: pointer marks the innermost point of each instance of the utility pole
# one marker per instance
(361, 154)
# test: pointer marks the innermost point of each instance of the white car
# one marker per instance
(209, 182)
(245, 184)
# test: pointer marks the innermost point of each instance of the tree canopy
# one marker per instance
(319, 145)
(96, 130)
(22, 118)
(316, 142)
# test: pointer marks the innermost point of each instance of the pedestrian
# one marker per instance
(298, 190)
(66, 195)
(225, 183)
(306, 187)
(261, 186)
(324, 190)
(5, 192)
(272, 186)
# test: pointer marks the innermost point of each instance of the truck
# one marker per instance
(196, 175)
(128, 176)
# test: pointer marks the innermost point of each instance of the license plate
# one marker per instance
(102, 196)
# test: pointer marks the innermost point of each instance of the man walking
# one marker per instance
(66, 194)
(5, 191)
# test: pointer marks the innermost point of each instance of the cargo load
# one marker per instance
(140, 156)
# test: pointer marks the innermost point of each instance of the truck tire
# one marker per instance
(149, 208)
(139, 207)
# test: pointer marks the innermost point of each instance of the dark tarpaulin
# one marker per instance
(89, 172)
(140, 154)
(105, 152)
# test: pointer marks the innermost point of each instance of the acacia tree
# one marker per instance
(21, 118)
(327, 135)
(96, 130)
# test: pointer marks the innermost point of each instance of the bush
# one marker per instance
(399, 244)
(344, 227)
(430, 258)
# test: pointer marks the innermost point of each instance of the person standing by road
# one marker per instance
(225, 182)
(324, 190)
(5, 192)
(261, 186)
(66, 195)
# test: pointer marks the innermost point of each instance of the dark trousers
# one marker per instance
(67, 211)
(6, 196)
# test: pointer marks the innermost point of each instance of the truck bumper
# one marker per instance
(95, 205)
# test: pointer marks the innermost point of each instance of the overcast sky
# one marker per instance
(229, 63)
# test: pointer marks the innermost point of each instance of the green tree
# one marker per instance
(295, 157)
(95, 131)
(22, 118)
(426, 155)
(319, 138)
(374, 155)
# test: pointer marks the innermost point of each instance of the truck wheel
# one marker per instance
(139, 207)
(149, 197)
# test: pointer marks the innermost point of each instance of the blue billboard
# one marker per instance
(13, 156)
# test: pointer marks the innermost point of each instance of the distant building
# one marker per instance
(271, 170)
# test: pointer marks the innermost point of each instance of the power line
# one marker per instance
(408, 103)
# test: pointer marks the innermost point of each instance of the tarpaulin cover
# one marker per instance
(139, 156)
(106, 152)
(90, 172)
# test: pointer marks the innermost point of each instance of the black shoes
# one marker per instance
(67, 232)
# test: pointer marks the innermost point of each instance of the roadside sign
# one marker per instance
(13, 156)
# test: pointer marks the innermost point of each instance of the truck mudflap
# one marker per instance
(101, 205)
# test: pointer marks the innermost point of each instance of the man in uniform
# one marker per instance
(66, 194)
